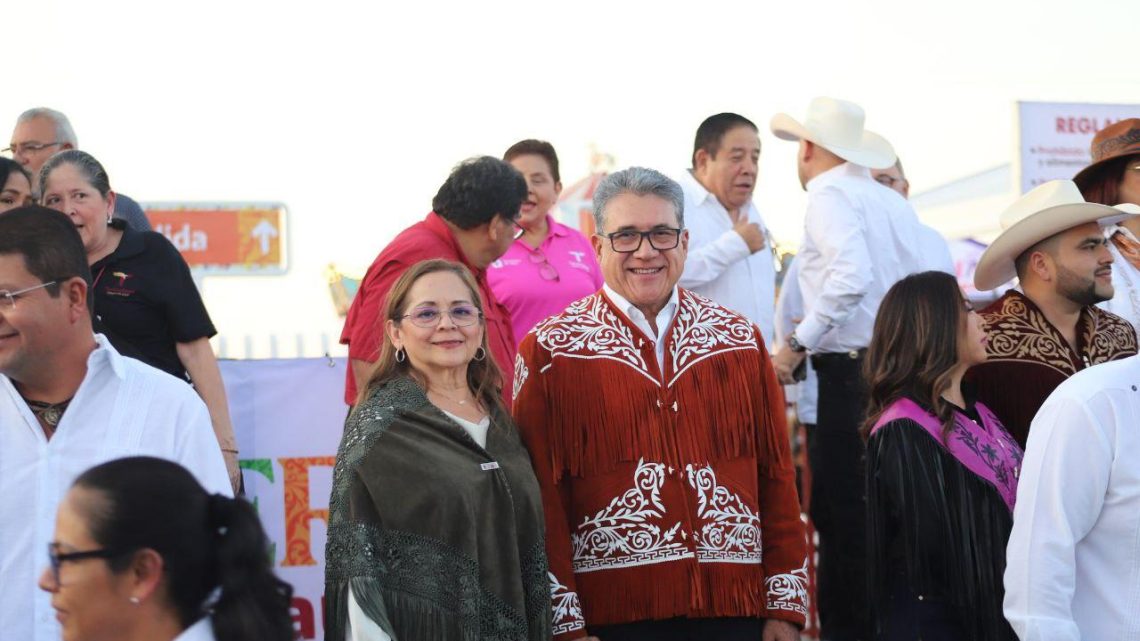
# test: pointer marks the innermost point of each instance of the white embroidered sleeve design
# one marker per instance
(703, 329)
(589, 329)
(789, 591)
(729, 530)
(521, 372)
(629, 531)
(567, 609)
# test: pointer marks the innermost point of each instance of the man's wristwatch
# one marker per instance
(795, 345)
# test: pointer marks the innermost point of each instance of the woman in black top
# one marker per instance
(145, 300)
(941, 472)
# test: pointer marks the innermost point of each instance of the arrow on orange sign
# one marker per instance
(264, 232)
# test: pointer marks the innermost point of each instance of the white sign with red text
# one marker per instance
(1054, 137)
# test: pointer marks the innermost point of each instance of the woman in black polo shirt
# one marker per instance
(146, 302)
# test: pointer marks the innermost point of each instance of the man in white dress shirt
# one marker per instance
(730, 254)
(1073, 561)
(935, 251)
(69, 401)
(859, 239)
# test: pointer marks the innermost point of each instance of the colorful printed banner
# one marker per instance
(289, 415)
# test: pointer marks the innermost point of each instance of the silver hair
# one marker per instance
(63, 131)
(639, 181)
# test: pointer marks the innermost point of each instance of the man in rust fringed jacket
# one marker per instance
(657, 431)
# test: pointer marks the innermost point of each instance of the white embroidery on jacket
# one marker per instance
(589, 329)
(521, 372)
(789, 591)
(566, 608)
(623, 534)
(729, 531)
(704, 329)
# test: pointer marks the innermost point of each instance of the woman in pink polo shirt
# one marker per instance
(550, 265)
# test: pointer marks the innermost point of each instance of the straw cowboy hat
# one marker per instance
(1042, 212)
(837, 126)
(1121, 138)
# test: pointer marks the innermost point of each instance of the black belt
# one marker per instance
(826, 358)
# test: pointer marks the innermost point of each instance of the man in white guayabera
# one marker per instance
(69, 401)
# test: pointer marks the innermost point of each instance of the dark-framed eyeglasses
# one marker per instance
(29, 147)
(57, 558)
(461, 315)
(8, 299)
(628, 241)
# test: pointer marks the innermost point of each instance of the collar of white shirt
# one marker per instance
(693, 187)
(104, 353)
(664, 318)
(201, 630)
(829, 176)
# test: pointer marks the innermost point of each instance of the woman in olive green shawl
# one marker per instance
(435, 521)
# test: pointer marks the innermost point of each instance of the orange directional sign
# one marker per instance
(233, 238)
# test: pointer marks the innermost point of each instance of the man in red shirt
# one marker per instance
(472, 222)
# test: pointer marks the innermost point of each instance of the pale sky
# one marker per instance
(353, 113)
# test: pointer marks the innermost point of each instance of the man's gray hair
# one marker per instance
(639, 181)
(63, 131)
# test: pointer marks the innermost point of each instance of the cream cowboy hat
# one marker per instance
(837, 126)
(1045, 210)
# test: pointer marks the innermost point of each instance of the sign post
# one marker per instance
(225, 238)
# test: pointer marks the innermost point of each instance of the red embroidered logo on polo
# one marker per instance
(118, 285)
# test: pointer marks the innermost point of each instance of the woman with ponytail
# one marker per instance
(941, 472)
(143, 553)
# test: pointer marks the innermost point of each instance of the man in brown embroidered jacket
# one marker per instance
(1051, 329)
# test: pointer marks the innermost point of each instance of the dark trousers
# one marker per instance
(910, 617)
(683, 629)
(838, 502)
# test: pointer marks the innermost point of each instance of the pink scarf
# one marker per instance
(987, 450)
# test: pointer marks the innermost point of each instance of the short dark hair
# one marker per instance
(49, 243)
(532, 147)
(479, 189)
(207, 543)
(711, 132)
(1021, 263)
